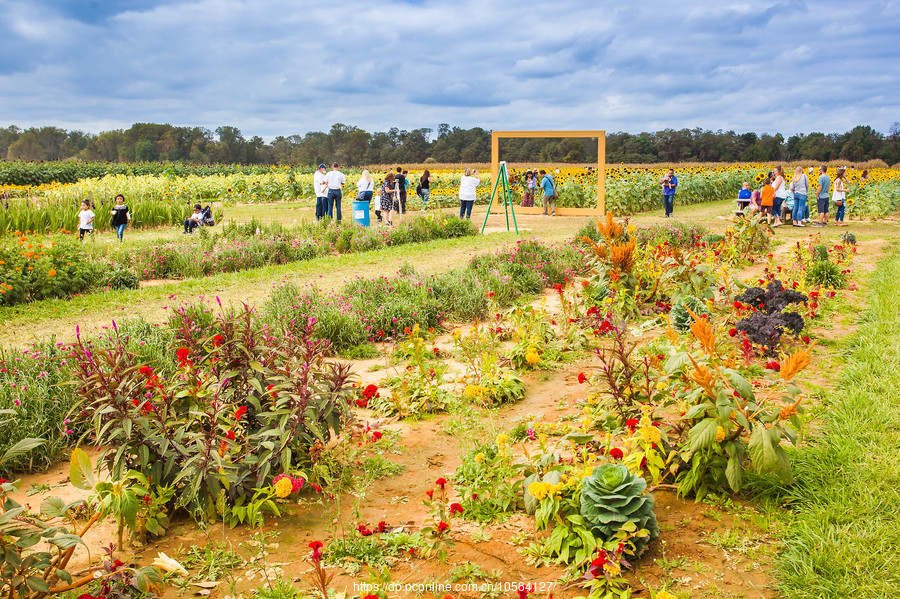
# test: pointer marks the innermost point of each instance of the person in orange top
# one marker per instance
(768, 198)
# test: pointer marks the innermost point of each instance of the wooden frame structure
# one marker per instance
(600, 210)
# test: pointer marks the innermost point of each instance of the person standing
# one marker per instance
(840, 197)
(120, 216)
(401, 181)
(468, 185)
(767, 199)
(800, 189)
(822, 191)
(778, 184)
(85, 220)
(321, 190)
(388, 189)
(669, 183)
(425, 185)
(549, 187)
(334, 181)
(528, 194)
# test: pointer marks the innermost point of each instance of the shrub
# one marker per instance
(120, 278)
(34, 267)
(848, 238)
(711, 238)
(825, 274)
(244, 405)
(676, 233)
(820, 253)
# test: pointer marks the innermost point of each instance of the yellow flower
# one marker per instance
(650, 434)
(660, 386)
(542, 438)
(720, 434)
(612, 567)
(283, 488)
(532, 356)
(665, 595)
(479, 458)
(502, 439)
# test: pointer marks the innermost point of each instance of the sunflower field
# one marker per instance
(164, 199)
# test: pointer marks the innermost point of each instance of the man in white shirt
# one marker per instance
(321, 189)
(334, 182)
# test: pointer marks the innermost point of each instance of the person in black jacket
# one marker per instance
(120, 216)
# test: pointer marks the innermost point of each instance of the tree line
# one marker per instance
(349, 145)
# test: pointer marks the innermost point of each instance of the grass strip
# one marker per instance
(844, 536)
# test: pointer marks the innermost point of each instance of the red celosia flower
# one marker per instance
(806, 340)
(430, 493)
(230, 435)
(456, 508)
(182, 354)
(489, 294)
(370, 391)
(218, 340)
(146, 370)
(239, 413)
(376, 436)
(738, 305)
(382, 526)
(272, 393)
(443, 526)
(632, 423)
(581, 378)
(441, 482)
(361, 529)
(316, 546)
(616, 453)
(774, 366)
(362, 402)
(407, 330)
(732, 332)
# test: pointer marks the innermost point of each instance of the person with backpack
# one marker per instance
(550, 195)
(401, 181)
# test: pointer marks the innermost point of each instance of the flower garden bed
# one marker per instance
(613, 384)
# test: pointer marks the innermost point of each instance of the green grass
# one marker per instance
(843, 537)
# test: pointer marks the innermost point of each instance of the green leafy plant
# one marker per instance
(612, 496)
(825, 273)
(245, 405)
(681, 309)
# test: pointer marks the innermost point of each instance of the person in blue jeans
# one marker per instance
(321, 191)
(334, 181)
(120, 216)
(669, 183)
(800, 189)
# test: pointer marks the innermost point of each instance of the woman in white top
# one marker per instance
(780, 195)
(365, 186)
(467, 192)
(800, 189)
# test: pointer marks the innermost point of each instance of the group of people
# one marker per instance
(548, 191)
(390, 201)
(777, 197)
(120, 217)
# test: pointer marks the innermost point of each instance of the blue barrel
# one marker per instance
(361, 213)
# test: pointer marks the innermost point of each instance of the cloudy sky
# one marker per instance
(275, 67)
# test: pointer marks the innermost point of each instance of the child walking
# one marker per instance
(85, 220)
(120, 216)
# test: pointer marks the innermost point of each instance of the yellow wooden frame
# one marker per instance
(600, 210)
